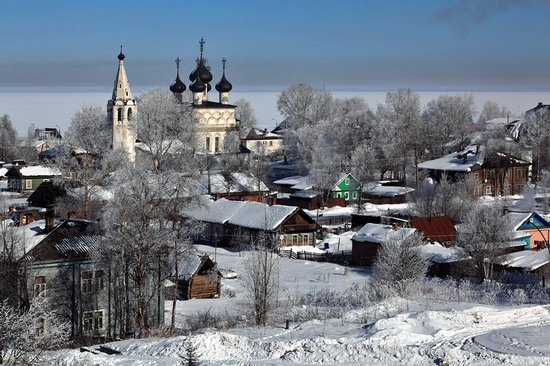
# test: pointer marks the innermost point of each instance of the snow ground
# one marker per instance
(431, 332)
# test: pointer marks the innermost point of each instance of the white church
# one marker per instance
(216, 118)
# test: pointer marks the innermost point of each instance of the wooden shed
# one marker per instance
(200, 279)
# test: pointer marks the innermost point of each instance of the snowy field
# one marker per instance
(429, 331)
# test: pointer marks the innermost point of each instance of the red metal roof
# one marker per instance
(438, 228)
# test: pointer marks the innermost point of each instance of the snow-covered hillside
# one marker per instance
(432, 329)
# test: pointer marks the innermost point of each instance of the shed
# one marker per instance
(200, 278)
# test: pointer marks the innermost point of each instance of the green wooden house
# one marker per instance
(27, 178)
(347, 187)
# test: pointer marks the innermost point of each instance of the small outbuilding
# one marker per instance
(199, 278)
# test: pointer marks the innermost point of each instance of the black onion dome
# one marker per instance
(193, 74)
(208, 87)
(204, 73)
(198, 86)
(177, 86)
(121, 55)
(224, 86)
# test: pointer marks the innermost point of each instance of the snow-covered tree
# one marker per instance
(535, 135)
(399, 265)
(484, 235)
(305, 105)
(451, 114)
(8, 139)
(244, 113)
(491, 110)
(140, 241)
(166, 129)
(86, 159)
(26, 334)
(261, 278)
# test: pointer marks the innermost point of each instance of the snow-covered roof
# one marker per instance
(377, 189)
(257, 134)
(439, 254)
(381, 234)
(296, 182)
(528, 260)
(518, 219)
(252, 215)
(39, 171)
(461, 161)
(236, 182)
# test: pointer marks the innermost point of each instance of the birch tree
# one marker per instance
(261, 278)
(536, 136)
(244, 113)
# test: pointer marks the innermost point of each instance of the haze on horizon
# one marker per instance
(344, 45)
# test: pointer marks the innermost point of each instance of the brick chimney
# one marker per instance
(71, 215)
(50, 221)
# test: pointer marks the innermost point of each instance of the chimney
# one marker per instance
(50, 221)
(395, 226)
(30, 218)
(265, 131)
(12, 208)
(464, 158)
(505, 210)
(71, 215)
(22, 218)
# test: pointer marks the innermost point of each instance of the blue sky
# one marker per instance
(342, 45)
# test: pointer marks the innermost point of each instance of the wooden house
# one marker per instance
(262, 141)
(494, 174)
(436, 229)
(531, 228)
(24, 179)
(367, 241)
(200, 278)
(236, 222)
(63, 267)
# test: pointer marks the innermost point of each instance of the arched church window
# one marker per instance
(120, 114)
(217, 144)
(129, 114)
(208, 144)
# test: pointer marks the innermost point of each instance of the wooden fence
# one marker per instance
(343, 256)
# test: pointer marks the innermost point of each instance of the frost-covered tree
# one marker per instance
(535, 135)
(166, 129)
(452, 115)
(400, 130)
(26, 334)
(8, 139)
(399, 265)
(491, 110)
(86, 160)
(305, 105)
(140, 241)
(446, 198)
(484, 235)
(12, 269)
(261, 277)
(244, 113)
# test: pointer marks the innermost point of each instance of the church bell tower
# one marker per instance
(122, 113)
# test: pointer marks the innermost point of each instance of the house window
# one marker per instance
(489, 190)
(28, 183)
(338, 194)
(40, 286)
(476, 191)
(346, 195)
(354, 195)
(295, 239)
(476, 177)
(92, 320)
(540, 244)
(92, 281)
(491, 174)
(305, 239)
(347, 182)
(270, 143)
(521, 173)
(39, 327)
